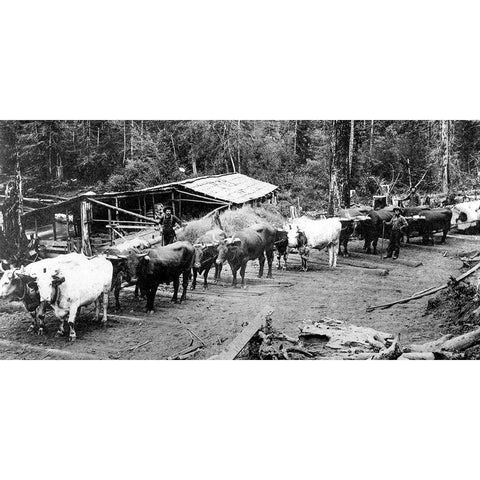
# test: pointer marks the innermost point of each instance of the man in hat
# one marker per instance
(399, 224)
(168, 221)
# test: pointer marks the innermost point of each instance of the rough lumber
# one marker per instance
(428, 292)
(246, 335)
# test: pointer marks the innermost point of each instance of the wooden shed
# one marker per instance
(90, 221)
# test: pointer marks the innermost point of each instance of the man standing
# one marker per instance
(168, 221)
(399, 224)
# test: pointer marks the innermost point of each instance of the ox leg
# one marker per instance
(34, 325)
(334, 250)
(61, 327)
(40, 314)
(269, 262)
(205, 277)
(151, 292)
(234, 275)
(285, 256)
(261, 261)
(279, 266)
(185, 277)
(218, 271)
(194, 279)
(176, 285)
(105, 308)
(71, 322)
(444, 236)
(242, 273)
(97, 309)
(374, 245)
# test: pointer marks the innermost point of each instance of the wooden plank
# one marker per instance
(127, 212)
(245, 335)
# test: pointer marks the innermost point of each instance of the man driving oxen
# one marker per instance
(399, 225)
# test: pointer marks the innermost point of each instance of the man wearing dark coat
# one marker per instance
(168, 221)
(399, 224)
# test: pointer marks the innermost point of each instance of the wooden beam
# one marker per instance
(245, 335)
(85, 228)
(118, 209)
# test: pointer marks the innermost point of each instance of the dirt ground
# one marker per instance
(220, 313)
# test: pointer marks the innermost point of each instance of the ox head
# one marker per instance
(227, 249)
(204, 252)
(359, 224)
(129, 263)
(48, 281)
(13, 282)
(296, 237)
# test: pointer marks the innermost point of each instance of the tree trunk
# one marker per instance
(124, 142)
(371, 141)
(349, 165)
(332, 168)
(131, 139)
(238, 146)
(445, 155)
(295, 138)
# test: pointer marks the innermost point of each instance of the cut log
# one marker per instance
(417, 356)
(429, 346)
(237, 345)
(462, 342)
(391, 353)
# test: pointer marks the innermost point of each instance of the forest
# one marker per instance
(309, 159)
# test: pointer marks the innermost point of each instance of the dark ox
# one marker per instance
(281, 247)
(206, 253)
(16, 286)
(162, 265)
(347, 219)
(371, 228)
(425, 223)
(251, 243)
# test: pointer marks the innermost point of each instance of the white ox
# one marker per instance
(465, 215)
(68, 286)
(305, 233)
(14, 285)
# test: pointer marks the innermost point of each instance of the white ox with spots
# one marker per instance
(305, 233)
(71, 285)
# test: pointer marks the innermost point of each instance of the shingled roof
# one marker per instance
(233, 188)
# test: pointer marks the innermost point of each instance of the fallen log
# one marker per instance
(429, 346)
(428, 292)
(462, 342)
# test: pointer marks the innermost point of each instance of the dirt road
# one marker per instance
(219, 314)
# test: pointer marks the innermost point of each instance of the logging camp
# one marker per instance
(348, 261)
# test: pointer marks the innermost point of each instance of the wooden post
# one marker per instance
(68, 231)
(85, 226)
(173, 202)
(54, 225)
(116, 212)
(110, 224)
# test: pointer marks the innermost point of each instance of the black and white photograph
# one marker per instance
(239, 240)
(260, 240)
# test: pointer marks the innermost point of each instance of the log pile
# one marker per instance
(336, 340)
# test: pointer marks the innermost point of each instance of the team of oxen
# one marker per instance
(68, 282)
